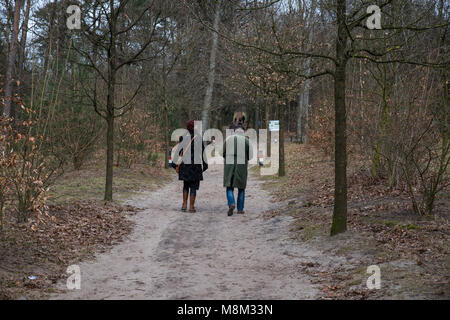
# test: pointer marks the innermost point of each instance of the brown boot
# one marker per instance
(230, 210)
(185, 197)
(191, 203)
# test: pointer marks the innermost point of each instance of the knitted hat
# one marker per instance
(190, 125)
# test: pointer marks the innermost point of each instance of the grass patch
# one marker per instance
(89, 183)
(307, 228)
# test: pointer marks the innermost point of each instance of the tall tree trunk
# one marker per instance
(383, 125)
(340, 183)
(7, 29)
(109, 156)
(257, 121)
(110, 105)
(10, 67)
(51, 37)
(23, 42)
(166, 133)
(267, 118)
(281, 111)
(165, 110)
(303, 100)
(212, 69)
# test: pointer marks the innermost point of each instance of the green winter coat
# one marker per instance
(236, 164)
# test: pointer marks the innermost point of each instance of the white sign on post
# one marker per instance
(274, 125)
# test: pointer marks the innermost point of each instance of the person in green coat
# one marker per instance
(237, 151)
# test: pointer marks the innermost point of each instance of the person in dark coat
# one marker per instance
(190, 173)
(236, 167)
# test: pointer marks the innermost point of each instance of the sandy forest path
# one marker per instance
(204, 255)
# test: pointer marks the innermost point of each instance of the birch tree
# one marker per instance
(8, 110)
(305, 87)
(212, 68)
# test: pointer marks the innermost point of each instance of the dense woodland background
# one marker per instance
(138, 69)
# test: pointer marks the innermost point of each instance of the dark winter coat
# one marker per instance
(191, 172)
(235, 171)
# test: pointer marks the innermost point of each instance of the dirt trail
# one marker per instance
(205, 255)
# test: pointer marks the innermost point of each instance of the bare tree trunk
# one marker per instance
(257, 118)
(303, 99)
(305, 104)
(383, 125)
(340, 183)
(110, 100)
(267, 116)
(7, 29)
(303, 107)
(51, 37)
(23, 42)
(299, 132)
(12, 55)
(109, 155)
(166, 133)
(165, 109)
(281, 111)
(212, 69)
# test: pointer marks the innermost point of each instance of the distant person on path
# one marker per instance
(236, 159)
(190, 173)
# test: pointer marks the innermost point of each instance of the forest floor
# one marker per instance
(36, 254)
(412, 252)
(144, 247)
(204, 255)
(280, 249)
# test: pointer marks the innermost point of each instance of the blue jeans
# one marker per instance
(240, 200)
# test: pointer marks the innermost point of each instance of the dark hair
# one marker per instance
(190, 125)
